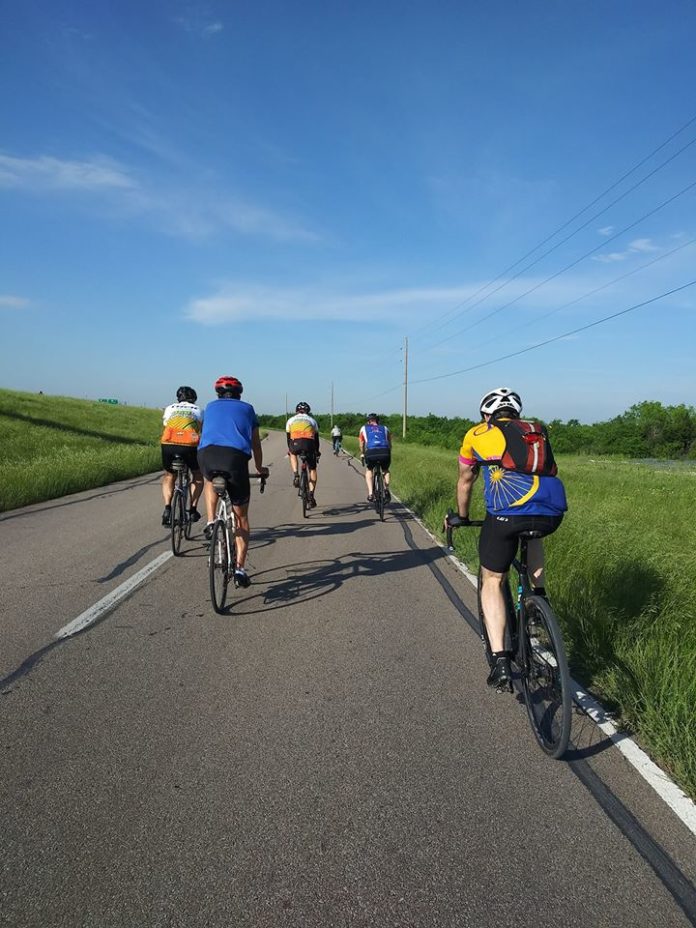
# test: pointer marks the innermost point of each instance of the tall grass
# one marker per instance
(622, 577)
(55, 445)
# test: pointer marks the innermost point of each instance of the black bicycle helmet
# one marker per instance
(186, 395)
(303, 407)
(373, 417)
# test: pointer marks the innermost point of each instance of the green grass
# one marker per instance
(55, 445)
(622, 578)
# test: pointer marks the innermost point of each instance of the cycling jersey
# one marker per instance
(509, 492)
(373, 436)
(302, 426)
(229, 423)
(182, 424)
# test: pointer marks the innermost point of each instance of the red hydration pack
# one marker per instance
(527, 447)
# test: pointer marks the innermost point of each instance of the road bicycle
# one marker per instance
(337, 446)
(378, 488)
(534, 640)
(222, 554)
(181, 525)
(303, 486)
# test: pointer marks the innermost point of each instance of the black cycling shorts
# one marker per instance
(187, 452)
(307, 447)
(228, 461)
(499, 537)
(381, 456)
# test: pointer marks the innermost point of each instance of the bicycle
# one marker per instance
(535, 642)
(337, 446)
(222, 555)
(378, 488)
(181, 525)
(303, 490)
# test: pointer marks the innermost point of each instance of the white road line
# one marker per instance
(89, 616)
(666, 789)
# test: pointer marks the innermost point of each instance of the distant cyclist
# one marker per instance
(375, 446)
(229, 440)
(302, 433)
(336, 438)
(519, 497)
(182, 431)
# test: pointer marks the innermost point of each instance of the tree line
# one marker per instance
(646, 430)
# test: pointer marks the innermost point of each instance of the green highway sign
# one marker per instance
(113, 402)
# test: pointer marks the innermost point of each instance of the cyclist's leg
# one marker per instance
(243, 532)
(168, 481)
(369, 478)
(545, 525)
(240, 491)
(497, 547)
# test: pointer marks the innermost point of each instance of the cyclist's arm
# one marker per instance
(257, 451)
(465, 484)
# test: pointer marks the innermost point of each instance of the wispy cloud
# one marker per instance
(190, 212)
(639, 246)
(606, 231)
(198, 20)
(7, 301)
(48, 173)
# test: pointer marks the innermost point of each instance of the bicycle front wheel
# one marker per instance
(219, 566)
(188, 524)
(178, 524)
(545, 677)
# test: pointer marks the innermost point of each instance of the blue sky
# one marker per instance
(285, 191)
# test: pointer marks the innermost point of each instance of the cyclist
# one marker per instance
(336, 438)
(375, 446)
(515, 502)
(230, 438)
(302, 433)
(182, 423)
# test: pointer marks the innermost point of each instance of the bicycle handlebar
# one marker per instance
(450, 528)
(262, 477)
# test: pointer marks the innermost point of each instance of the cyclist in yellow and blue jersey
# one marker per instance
(302, 433)
(515, 502)
(181, 434)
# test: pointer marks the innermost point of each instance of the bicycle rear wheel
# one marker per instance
(178, 521)
(304, 493)
(188, 524)
(378, 490)
(545, 677)
(219, 566)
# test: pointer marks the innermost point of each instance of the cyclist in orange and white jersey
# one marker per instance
(302, 433)
(182, 422)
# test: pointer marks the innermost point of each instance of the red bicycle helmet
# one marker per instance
(229, 385)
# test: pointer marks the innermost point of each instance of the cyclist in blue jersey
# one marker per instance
(375, 445)
(230, 438)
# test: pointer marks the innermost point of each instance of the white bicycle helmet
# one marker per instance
(500, 398)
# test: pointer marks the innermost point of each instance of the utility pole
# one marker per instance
(405, 384)
(286, 405)
(332, 404)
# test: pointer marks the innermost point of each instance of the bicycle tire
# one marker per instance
(188, 524)
(178, 521)
(304, 493)
(219, 566)
(545, 677)
(378, 490)
(510, 629)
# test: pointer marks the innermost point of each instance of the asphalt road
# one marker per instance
(327, 754)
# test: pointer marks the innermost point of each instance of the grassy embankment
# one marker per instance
(622, 577)
(55, 445)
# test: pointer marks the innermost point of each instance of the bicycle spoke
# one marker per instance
(545, 678)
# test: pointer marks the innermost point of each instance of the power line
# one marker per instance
(569, 222)
(577, 261)
(589, 293)
(548, 341)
